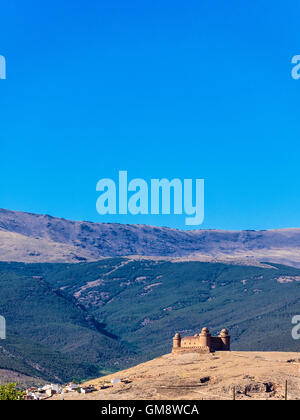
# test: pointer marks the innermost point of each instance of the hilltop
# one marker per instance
(255, 375)
(27, 237)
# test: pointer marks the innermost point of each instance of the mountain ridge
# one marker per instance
(29, 237)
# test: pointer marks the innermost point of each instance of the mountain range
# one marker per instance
(27, 237)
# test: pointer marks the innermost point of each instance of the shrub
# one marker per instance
(10, 392)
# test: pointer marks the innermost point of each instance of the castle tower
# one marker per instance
(205, 338)
(225, 337)
(177, 341)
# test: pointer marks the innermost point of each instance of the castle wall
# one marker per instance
(217, 344)
(190, 342)
(201, 350)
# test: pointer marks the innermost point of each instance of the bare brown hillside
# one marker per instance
(41, 238)
(255, 375)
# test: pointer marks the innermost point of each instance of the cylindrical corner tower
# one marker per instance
(225, 337)
(205, 338)
(176, 341)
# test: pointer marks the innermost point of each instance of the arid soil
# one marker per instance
(254, 375)
(23, 381)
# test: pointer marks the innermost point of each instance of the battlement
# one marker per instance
(201, 343)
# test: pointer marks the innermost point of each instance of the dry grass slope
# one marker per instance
(255, 376)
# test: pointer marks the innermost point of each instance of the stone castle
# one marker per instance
(201, 343)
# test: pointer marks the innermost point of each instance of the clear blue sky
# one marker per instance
(196, 89)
